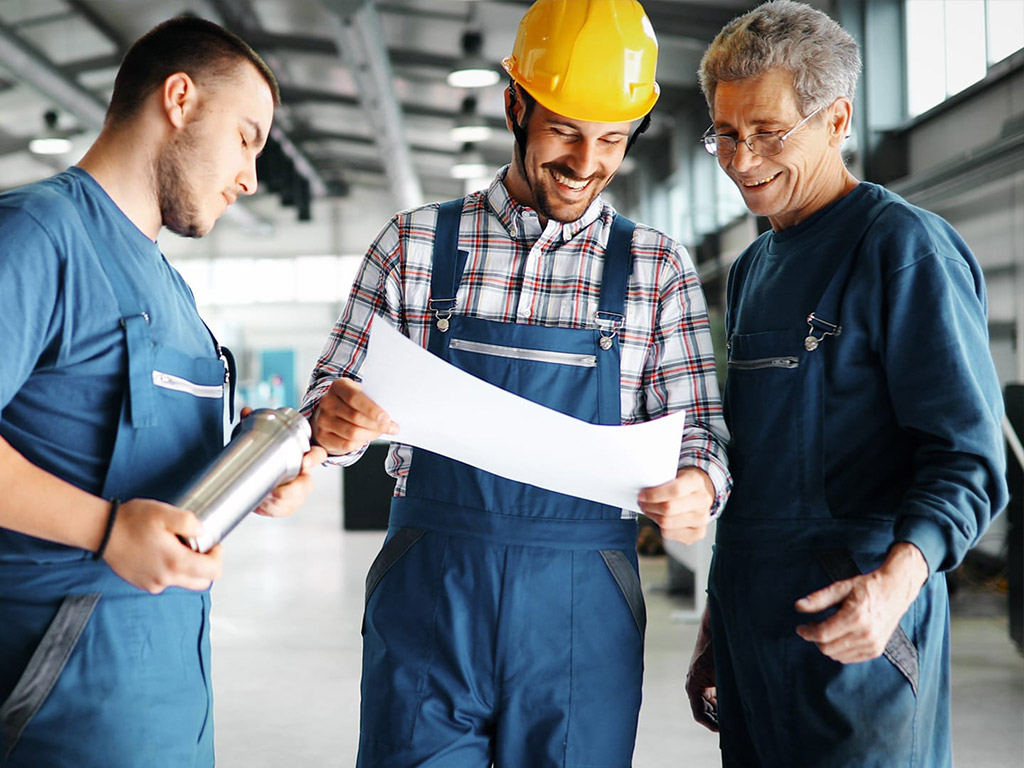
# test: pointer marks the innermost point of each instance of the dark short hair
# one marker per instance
(204, 51)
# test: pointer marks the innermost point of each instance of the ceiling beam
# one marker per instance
(363, 48)
(32, 68)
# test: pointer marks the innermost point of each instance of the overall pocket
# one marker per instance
(628, 581)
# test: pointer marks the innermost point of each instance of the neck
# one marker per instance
(837, 185)
(123, 163)
(519, 189)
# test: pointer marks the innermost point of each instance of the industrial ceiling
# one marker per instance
(365, 100)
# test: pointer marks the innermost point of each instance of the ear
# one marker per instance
(514, 107)
(179, 98)
(840, 120)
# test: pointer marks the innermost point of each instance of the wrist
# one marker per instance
(107, 530)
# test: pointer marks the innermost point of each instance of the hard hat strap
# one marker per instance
(644, 125)
(517, 130)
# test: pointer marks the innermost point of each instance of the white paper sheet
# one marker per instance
(445, 410)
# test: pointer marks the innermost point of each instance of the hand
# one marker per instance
(144, 548)
(870, 607)
(700, 679)
(286, 498)
(346, 419)
(681, 507)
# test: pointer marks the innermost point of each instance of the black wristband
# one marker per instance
(114, 504)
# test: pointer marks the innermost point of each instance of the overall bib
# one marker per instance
(115, 677)
(505, 623)
(781, 702)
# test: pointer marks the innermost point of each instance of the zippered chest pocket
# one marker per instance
(786, 361)
(180, 384)
(768, 350)
(524, 353)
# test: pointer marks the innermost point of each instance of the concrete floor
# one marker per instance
(287, 653)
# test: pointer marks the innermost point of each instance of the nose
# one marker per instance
(744, 158)
(584, 159)
(246, 179)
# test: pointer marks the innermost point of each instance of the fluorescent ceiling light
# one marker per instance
(469, 164)
(473, 70)
(49, 146)
(469, 125)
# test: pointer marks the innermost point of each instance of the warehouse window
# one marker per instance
(952, 43)
(304, 279)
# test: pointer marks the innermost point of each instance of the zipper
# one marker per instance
(178, 384)
(765, 362)
(519, 353)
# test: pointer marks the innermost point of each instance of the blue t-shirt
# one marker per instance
(912, 403)
(63, 367)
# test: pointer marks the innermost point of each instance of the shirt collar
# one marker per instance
(513, 215)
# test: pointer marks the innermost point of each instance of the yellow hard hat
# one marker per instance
(590, 60)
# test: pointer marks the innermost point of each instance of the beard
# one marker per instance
(178, 208)
(545, 196)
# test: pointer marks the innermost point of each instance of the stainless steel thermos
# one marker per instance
(266, 450)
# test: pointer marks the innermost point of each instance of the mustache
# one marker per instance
(564, 170)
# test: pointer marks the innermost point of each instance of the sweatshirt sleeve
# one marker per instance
(946, 394)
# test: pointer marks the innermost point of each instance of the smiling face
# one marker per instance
(567, 163)
(809, 172)
(211, 160)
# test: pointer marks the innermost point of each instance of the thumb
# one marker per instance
(183, 522)
(824, 598)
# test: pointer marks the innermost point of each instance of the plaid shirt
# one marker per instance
(518, 272)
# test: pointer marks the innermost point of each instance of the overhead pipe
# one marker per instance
(30, 67)
(360, 40)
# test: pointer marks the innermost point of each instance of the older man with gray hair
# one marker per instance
(865, 413)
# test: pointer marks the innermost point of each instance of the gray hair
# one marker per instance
(822, 57)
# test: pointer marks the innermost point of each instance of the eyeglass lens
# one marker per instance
(763, 144)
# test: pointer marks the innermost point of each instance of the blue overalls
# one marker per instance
(504, 624)
(781, 702)
(115, 677)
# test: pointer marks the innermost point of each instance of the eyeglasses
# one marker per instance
(762, 144)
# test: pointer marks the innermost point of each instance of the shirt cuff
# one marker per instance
(720, 479)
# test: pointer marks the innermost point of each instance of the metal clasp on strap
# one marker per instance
(442, 309)
(609, 324)
(824, 327)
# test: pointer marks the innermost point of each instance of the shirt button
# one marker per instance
(526, 313)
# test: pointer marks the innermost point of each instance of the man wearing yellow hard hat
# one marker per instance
(504, 624)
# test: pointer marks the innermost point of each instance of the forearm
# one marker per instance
(906, 569)
(40, 504)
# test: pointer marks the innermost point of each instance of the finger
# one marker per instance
(659, 494)
(831, 630)
(316, 456)
(246, 410)
(704, 707)
(825, 598)
(848, 649)
(198, 571)
(182, 522)
(358, 408)
(685, 525)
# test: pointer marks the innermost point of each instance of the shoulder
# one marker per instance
(660, 250)
(903, 236)
(46, 209)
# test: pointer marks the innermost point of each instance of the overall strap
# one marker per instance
(618, 264)
(447, 264)
(135, 321)
(824, 320)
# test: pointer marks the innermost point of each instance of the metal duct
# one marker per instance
(360, 40)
